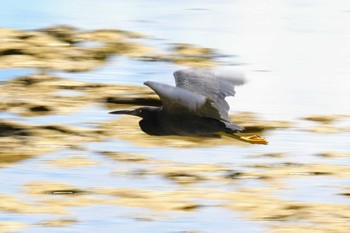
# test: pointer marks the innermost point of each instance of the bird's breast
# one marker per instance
(153, 126)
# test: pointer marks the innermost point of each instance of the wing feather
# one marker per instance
(177, 98)
(213, 85)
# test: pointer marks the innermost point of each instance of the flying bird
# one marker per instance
(196, 106)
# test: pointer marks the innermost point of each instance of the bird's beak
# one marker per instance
(127, 112)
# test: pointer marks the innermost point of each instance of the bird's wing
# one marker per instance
(214, 86)
(177, 100)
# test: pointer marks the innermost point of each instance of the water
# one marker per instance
(295, 55)
(303, 46)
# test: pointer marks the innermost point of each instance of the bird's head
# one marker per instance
(140, 112)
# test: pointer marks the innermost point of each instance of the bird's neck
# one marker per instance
(149, 123)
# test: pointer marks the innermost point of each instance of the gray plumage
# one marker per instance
(195, 107)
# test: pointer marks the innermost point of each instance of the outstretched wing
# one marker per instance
(214, 86)
(177, 100)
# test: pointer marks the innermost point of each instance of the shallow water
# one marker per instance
(295, 55)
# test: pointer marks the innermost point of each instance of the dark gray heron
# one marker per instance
(195, 107)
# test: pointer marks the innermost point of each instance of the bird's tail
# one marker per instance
(233, 127)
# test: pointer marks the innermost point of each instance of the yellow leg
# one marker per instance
(254, 139)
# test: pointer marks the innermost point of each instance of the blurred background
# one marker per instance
(68, 166)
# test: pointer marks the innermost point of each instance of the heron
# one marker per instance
(196, 106)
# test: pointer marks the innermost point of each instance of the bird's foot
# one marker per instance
(254, 139)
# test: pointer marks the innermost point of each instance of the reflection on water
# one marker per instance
(71, 166)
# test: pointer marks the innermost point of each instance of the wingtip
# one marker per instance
(184, 71)
(147, 83)
(235, 76)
